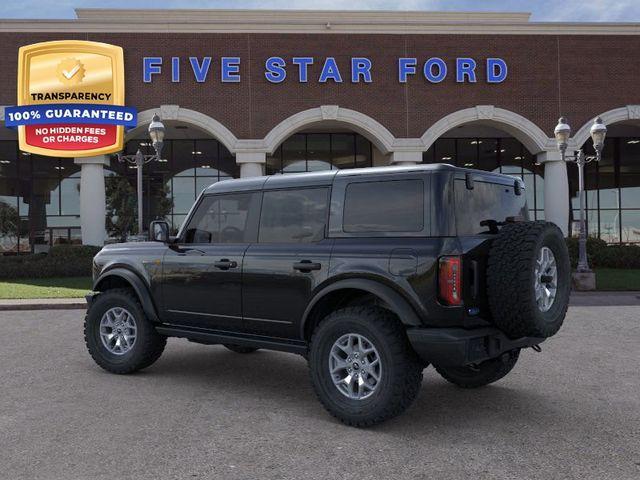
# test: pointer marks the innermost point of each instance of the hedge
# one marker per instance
(601, 255)
(76, 260)
(61, 261)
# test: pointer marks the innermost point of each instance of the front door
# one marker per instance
(202, 272)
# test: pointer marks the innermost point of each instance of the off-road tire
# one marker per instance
(148, 346)
(483, 374)
(511, 279)
(239, 348)
(400, 378)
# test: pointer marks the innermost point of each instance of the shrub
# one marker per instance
(61, 261)
(601, 255)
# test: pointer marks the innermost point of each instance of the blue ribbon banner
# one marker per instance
(70, 113)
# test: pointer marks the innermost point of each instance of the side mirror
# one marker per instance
(159, 231)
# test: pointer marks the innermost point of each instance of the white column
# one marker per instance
(556, 190)
(93, 208)
(406, 158)
(251, 163)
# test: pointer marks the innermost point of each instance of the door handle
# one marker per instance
(225, 264)
(306, 266)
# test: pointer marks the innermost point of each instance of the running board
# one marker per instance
(212, 337)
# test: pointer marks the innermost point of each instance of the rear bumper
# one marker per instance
(457, 346)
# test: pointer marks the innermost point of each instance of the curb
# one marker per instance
(43, 304)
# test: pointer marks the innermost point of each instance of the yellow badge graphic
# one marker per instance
(71, 99)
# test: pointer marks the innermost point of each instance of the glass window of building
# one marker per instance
(307, 152)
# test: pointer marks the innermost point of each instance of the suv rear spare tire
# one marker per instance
(529, 279)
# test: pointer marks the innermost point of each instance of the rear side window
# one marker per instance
(486, 202)
(228, 218)
(389, 206)
(294, 216)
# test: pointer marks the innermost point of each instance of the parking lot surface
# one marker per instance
(572, 411)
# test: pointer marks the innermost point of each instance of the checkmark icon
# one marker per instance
(71, 73)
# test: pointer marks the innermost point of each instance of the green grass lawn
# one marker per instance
(617, 279)
(70, 287)
(76, 287)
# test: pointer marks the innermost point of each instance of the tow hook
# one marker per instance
(536, 348)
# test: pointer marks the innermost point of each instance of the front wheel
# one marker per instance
(118, 334)
(363, 369)
(483, 374)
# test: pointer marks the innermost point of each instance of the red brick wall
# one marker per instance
(578, 76)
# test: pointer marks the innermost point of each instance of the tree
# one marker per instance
(121, 207)
(9, 221)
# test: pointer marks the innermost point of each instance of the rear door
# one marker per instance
(290, 259)
(202, 273)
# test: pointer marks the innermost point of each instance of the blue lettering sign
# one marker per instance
(230, 70)
(275, 69)
(175, 69)
(200, 71)
(303, 64)
(406, 66)
(151, 66)
(465, 67)
(330, 71)
(428, 70)
(360, 67)
(496, 70)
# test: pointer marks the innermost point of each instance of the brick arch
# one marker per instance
(527, 132)
(192, 117)
(616, 115)
(378, 134)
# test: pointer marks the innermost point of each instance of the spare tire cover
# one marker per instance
(529, 279)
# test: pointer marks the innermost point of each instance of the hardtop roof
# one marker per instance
(326, 177)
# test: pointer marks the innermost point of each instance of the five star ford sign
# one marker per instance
(70, 99)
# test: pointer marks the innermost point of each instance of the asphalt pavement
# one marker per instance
(572, 411)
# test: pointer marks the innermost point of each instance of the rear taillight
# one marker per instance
(450, 280)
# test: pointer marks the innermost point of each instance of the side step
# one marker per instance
(213, 337)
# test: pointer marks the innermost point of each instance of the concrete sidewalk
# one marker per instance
(578, 299)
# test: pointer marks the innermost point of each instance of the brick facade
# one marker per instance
(574, 75)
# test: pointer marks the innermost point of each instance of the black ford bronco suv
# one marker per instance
(372, 274)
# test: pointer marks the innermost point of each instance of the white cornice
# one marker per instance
(323, 21)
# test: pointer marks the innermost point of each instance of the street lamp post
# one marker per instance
(562, 133)
(156, 133)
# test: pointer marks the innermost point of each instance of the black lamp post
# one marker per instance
(562, 133)
(156, 133)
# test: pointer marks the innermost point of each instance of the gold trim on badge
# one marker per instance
(74, 66)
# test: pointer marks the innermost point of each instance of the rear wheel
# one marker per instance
(482, 374)
(362, 367)
(118, 334)
(239, 348)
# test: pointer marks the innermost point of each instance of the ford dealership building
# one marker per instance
(245, 93)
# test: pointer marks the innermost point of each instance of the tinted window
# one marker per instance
(393, 206)
(227, 218)
(294, 216)
(487, 201)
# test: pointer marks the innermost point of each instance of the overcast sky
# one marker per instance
(542, 10)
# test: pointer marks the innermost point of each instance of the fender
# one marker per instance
(138, 285)
(398, 304)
